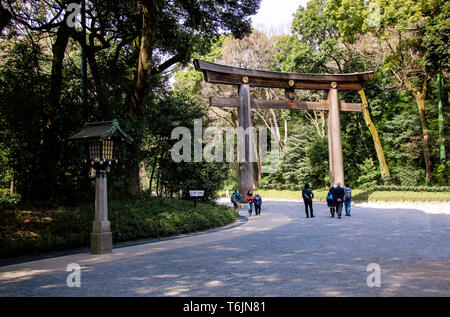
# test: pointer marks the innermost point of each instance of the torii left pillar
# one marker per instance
(336, 160)
(245, 160)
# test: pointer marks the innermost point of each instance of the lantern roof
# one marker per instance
(101, 130)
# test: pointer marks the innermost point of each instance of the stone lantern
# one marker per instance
(101, 139)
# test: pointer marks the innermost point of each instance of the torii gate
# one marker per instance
(244, 78)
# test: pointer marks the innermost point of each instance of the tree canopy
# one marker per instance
(139, 71)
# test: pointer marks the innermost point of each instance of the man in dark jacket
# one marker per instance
(257, 201)
(308, 196)
(339, 194)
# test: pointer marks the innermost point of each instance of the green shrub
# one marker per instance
(9, 202)
(408, 176)
(26, 232)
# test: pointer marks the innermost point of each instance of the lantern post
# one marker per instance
(101, 139)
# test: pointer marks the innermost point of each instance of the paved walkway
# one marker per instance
(280, 253)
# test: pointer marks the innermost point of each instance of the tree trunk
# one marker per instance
(141, 82)
(442, 158)
(145, 55)
(144, 181)
(155, 161)
(12, 188)
(420, 99)
(285, 131)
(5, 17)
(257, 167)
(322, 116)
(104, 109)
(58, 52)
(384, 169)
(133, 177)
(277, 129)
(51, 145)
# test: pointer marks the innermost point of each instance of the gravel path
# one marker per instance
(280, 253)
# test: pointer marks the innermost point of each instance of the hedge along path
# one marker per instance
(363, 195)
(23, 271)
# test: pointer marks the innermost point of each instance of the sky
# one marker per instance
(276, 15)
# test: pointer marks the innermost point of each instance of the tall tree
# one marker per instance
(171, 30)
(318, 45)
(411, 35)
(436, 36)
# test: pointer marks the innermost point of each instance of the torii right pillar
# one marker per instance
(336, 160)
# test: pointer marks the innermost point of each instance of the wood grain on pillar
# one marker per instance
(245, 165)
(334, 139)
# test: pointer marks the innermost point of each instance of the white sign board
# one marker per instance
(196, 193)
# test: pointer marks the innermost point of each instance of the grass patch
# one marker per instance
(37, 231)
(401, 196)
(362, 195)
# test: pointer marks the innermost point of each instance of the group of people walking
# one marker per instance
(337, 198)
(255, 200)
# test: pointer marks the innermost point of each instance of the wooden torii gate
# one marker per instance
(244, 78)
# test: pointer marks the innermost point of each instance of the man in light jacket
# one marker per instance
(347, 199)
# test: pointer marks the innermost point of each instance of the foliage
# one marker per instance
(42, 165)
(132, 54)
(304, 160)
(8, 201)
(370, 175)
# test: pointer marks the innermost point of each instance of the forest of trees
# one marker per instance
(139, 71)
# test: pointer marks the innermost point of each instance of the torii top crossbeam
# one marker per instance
(221, 74)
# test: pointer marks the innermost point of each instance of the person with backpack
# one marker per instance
(258, 202)
(347, 199)
(308, 196)
(339, 194)
(250, 198)
(331, 202)
(235, 198)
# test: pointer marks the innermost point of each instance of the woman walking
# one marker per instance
(250, 198)
(330, 201)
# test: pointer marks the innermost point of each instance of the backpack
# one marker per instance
(348, 194)
(307, 194)
(234, 198)
(330, 197)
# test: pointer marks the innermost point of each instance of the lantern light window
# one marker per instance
(100, 137)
